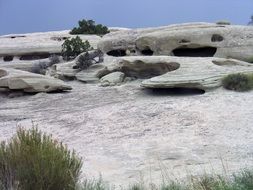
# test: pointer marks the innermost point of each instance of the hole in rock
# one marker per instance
(142, 70)
(34, 56)
(8, 58)
(147, 51)
(13, 37)
(216, 38)
(177, 91)
(195, 52)
(117, 52)
(184, 41)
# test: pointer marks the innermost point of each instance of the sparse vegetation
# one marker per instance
(87, 59)
(54, 59)
(238, 82)
(73, 47)
(39, 68)
(223, 22)
(89, 27)
(33, 160)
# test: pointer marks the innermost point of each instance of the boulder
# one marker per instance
(13, 79)
(183, 40)
(112, 79)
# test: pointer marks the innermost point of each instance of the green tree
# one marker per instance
(89, 27)
(73, 47)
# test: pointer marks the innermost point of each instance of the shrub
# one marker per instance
(89, 27)
(223, 22)
(238, 82)
(73, 47)
(33, 160)
(39, 68)
(85, 60)
(54, 59)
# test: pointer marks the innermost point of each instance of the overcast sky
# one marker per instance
(21, 16)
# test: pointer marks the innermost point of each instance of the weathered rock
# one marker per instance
(191, 39)
(28, 82)
(112, 79)
(200, 73)
(90, 75)
(36, 46)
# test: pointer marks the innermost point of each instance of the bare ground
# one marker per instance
(128, 134)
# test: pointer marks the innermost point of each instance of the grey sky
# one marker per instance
(21, 16)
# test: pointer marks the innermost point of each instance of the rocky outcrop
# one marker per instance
(112, 79)
(36, 46)
(189, 40)
(12, 79)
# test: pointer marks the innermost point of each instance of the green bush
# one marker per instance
(238, 82)
(33, 160)
(89, 27)
(73, 47)
(223, 22)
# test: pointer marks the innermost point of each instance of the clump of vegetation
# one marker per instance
(39, 68)
(89, 27)
(33, 160)
(223, 22)
(85, 60)
(54, 59)
(73, 47)
(238, 82)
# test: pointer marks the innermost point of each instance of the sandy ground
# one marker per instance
(128, 134)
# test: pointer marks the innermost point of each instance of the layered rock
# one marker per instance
(35, 46)
(12, 79)
(191, 40)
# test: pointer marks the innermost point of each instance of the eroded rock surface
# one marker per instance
(191, 39)
(13, 79)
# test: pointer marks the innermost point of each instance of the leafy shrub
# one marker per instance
(54, 59)
(223, 22)
(85, 60)
(73, 47)
(89, 27)
(33, 160)
(238, 82)
(39, 68)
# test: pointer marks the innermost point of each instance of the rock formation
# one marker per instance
(188, 40)
(12, 79)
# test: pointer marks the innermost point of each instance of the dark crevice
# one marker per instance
(183, 41)
(13, 37)
(117, 53)
(177, 91)
(195, 52)
(34, 56)
(147, 51)
(217, 38)
(8, 58)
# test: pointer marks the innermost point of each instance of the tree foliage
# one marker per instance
(73, 47)
(89, 27)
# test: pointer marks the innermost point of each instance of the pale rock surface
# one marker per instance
(13, 79)
(173, 72)
(19, 44)
(225, 41)
(129, 134)
(112, 79)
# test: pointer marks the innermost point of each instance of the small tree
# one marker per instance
(89, 27)
(73, 47)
